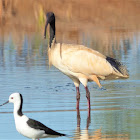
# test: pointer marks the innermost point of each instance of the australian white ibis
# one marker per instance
(81, 63)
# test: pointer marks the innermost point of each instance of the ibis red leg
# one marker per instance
(77, 97)
(88, 97)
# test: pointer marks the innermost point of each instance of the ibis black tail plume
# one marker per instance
(118, 65)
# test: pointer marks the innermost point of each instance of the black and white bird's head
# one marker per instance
(50, 19)
(14, 98)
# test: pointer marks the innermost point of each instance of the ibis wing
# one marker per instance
(86, 61)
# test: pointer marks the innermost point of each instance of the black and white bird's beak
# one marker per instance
(5, 103)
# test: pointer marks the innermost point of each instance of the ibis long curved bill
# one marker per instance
(45, 29)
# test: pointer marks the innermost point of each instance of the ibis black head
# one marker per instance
(50, 19)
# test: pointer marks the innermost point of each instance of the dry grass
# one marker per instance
(100, 21)
(107, 13)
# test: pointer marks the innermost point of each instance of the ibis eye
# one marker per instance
(12, 98)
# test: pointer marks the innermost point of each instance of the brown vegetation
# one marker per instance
(107, 13)
(100, 21)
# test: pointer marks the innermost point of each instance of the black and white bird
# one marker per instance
(28, 127)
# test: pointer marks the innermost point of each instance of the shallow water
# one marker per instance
(50, 97)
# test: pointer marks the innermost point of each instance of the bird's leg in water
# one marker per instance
(77, 97)
(77, 107)
(88, 97)
(88, 119)
(78, 118)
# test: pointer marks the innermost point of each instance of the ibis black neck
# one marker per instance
(52, 32)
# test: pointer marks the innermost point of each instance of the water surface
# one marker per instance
(50, 96)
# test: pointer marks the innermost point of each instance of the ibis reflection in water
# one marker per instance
(80, 63)
(97, 134)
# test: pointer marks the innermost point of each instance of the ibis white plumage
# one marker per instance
(28, 127)
(81, 63)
